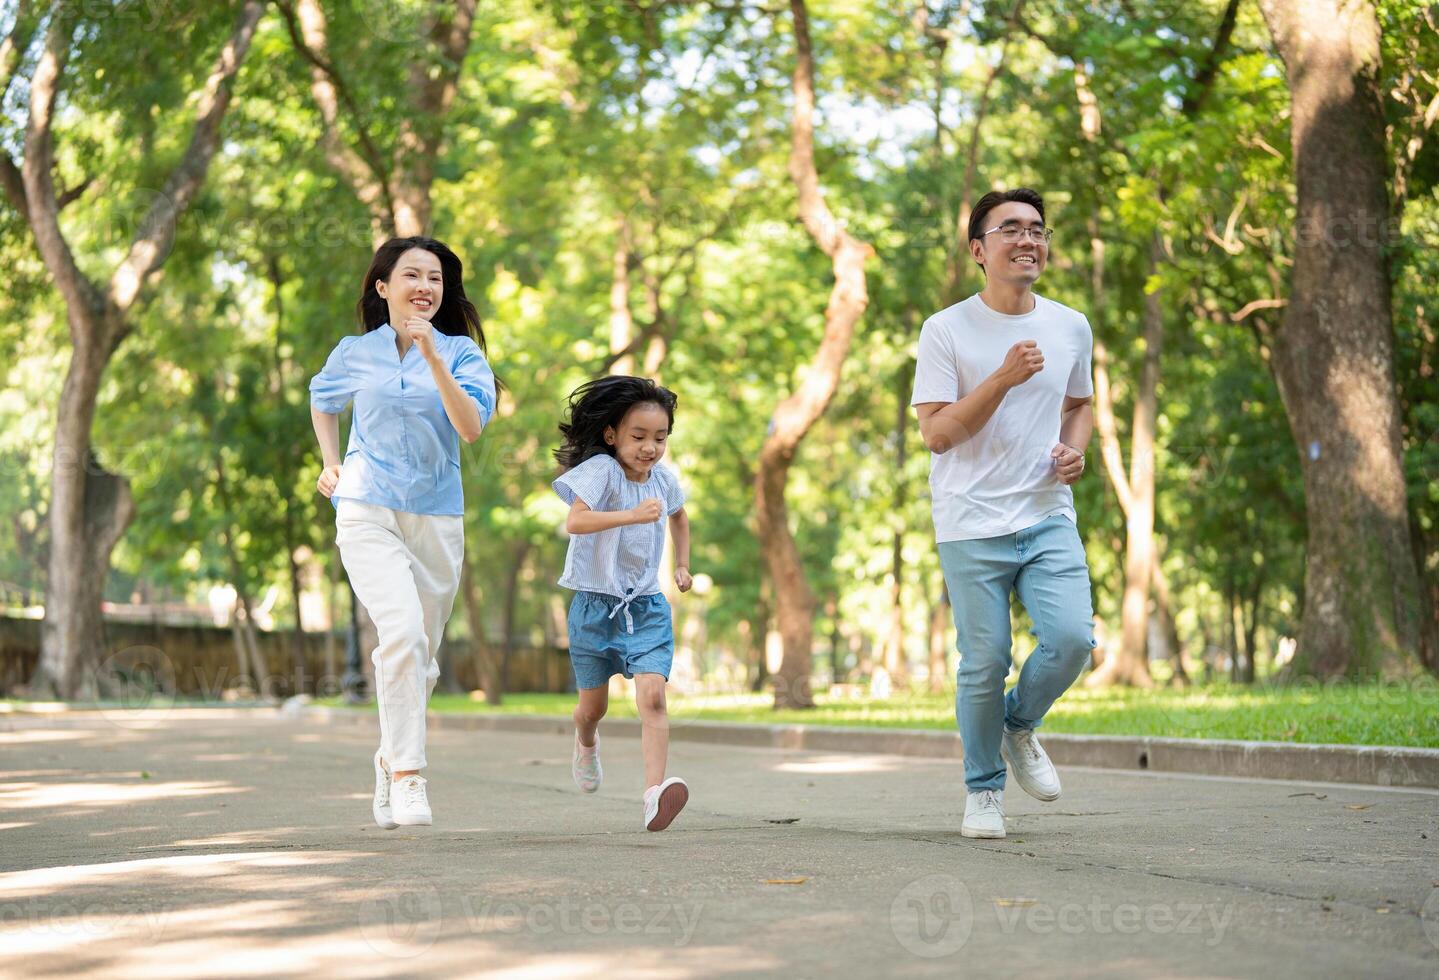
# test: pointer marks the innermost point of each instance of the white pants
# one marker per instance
(405, 570)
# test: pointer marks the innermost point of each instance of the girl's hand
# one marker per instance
(329, 479)
(423, 334)
(682, 578)
(648, 511)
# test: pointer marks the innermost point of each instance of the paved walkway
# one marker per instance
(234, 846)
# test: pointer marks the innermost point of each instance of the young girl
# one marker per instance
(420, 383)
(619, 620)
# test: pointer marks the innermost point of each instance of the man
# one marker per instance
(1002, 389)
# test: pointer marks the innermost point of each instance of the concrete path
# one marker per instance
(218, 844)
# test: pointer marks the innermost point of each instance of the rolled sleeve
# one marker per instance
(333, 388)
(476, 378)
(591, 481)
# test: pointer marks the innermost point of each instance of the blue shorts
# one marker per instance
(601, 644)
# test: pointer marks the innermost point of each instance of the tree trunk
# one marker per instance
(793, 417)
(939, 618)
(485, 667)
(894, 658)
(1129, 663)
(1334, 352)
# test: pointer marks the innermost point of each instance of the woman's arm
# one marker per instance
(461, 409)
(327, 430)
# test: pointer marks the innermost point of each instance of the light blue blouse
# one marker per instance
(623, 562)
(403, 453)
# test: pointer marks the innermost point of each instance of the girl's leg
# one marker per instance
(593, 704)
(654, 717)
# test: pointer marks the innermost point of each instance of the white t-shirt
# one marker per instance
(1002, 479)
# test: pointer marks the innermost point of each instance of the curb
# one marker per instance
(1368, 765)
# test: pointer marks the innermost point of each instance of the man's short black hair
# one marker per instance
(994, 199)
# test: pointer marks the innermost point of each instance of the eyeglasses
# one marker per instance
(1014, 234)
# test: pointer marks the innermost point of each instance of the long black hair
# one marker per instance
(456, 316)
(601, 404)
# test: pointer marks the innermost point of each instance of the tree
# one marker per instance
(89, 505)
(1334, 352)
(793, 417)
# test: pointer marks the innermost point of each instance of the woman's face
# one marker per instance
(415, 287)
(639, 440)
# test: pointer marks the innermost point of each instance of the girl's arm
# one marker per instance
(327, 430)
(582, 520)
(680, 531)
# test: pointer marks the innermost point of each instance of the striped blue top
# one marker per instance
(403, 454)
(623, 562)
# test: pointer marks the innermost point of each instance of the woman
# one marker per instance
(420, 383)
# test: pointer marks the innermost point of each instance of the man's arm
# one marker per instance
(944, 425)
(1076, 425)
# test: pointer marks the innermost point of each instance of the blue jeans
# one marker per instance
(1045, 565)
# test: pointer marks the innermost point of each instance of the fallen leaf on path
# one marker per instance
(782, 820)
(1317, 796)
(1016, 903)
(1357, 806)
(786, 881)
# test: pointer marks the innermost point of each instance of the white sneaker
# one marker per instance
(664, 802)
(1029, 764)
(411, 805)
(586, 768)
(984, 815)
(381, 808)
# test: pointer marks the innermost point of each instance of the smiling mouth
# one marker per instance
(421, 304)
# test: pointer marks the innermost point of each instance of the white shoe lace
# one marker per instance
(412, 793)
(988, 802)
(382, 790)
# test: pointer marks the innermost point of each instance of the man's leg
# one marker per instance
(1053, 584)
(980, 574)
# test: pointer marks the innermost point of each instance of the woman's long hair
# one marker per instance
(601, 404)
(456, 315)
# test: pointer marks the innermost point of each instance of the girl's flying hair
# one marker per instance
(601, 404)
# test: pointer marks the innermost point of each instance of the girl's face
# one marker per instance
(415, 287)
(639, 441)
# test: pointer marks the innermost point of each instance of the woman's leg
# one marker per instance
(380, 567)
(438, 546)
(655, 722)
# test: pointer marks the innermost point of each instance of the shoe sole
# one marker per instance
(1043, 798)
(384, 823)
(672, 800)
(415, 822)
(980, 834)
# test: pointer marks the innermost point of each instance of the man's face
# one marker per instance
(1017, 263)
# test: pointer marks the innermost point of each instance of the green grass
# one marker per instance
(1406, 714)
